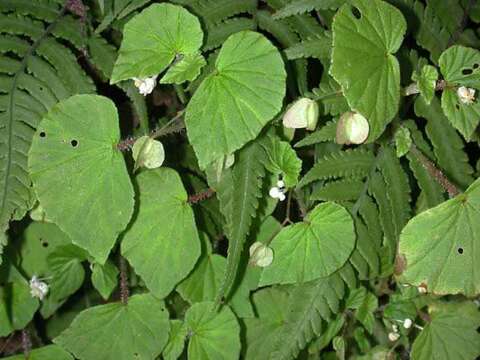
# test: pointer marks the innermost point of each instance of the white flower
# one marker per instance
(422, 289)
(145, 86)
(38, 288)
(280, 184)
(302, 114)
(466, 95)
(393, 336)
(395, 328)
(260, 255)
(407, 324)
(277, 193)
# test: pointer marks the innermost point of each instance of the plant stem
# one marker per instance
(26, 343)
(196, 198)
(413, 89)
(436, 173)
(124, 292)
(180, 93)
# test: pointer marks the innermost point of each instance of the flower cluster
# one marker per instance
(278, 192)
(146, 85)
(466, 95)
(38, 289)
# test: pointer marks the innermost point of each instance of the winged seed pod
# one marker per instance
(302, 114)
(148, 153)
(260, 254)
(352, 128)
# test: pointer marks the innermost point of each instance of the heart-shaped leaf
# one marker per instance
(313, 248)
(162, 243)
(239, 97)
(137, 330)
(49, 352)
(79, 175)
(153, 38)
(366, 34)
(439, 247)
(214, 335)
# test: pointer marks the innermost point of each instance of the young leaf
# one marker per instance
(105, 278)
(74, 154)
(187, 69)
(426, 82)
(366, 34)
(17, 306)
(282, 160)
(403, 141)
(166, 220)
(49, 352)
(214, 335)
(451, 333)
(137, 330)
(153, 38)
(312, 249)
(176, 340)
(439, 246)
(231, 106)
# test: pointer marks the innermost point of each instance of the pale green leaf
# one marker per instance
(214, 335)
(153, 38)
(74, 155)
(176, 340)
(116, 331)
(104, 278)
(463, 117)
(187, 69)
(426, 82)
(312, 249)
(461, 66)
(49, 352)
(403, 141)
(67, 273)
(451, 333)
(366, 34)
(439, 246)
(163, 234)
(17, 306)
(283, 160)
(237, 99)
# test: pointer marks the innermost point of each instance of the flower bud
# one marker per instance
(145, 86)
(302, 114)
(352, 128)
(393, 336)
(148, 152)
(260, 254)
(38, 289)
(407, 324)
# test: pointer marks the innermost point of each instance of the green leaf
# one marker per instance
(66, 270)
(214, 335)
(439, 246)
(166, 219)
(463, 117)
(176, 340)
(426, 82)
(17, 306)
(49, 352)
(352, 162)
(234, 103)
(451, 333)
(137, 330)
(312, 249)
(153, 38)
(283, 160)
(461, 66)
(238, 191)
(326, 133)
(39, 240)
(318, 47)
(403, 141)
(366, 307)
(104, 278)
(304, 6)
(72, 155)
(329, 95)
(366, 34)
(187, 69)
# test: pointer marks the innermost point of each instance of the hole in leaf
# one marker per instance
(467, 71)
(42, 134)
(475, 66)
(136, 355)
(457, 106)
(356, 13)
(460, 250)
(45, 244)
(74, 143)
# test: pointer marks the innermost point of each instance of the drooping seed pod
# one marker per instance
(302, 114)
(148, 153)
(260, 254)
(352, 128)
